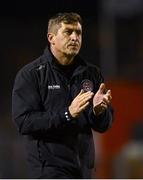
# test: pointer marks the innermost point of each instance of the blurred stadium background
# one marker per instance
(113, 40)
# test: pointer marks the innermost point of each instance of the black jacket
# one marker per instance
(40, 98)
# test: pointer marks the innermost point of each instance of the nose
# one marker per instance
(74, 36)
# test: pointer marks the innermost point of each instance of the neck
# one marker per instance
(63, 59)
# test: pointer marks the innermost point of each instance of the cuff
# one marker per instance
(94, 115)
(67, 115)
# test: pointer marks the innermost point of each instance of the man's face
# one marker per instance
(68, 39)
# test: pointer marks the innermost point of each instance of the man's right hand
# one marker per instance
(80, 103)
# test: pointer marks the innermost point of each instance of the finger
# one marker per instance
(106, 100)
(81, 92)
(84, 106)
(86, 94)
(109, 95)
(108, 92)
(85, 100)
(110, 98)
(102, 88)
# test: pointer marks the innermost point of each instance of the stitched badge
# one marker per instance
(87, 85)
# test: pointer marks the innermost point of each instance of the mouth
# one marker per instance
(73, 45)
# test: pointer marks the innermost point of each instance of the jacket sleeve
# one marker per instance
(102, 122)
(27, 110)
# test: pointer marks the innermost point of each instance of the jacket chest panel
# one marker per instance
(54, 95)
(56, 91)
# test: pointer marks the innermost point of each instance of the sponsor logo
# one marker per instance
(54, 87)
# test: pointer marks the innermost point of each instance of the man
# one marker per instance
(57, 99)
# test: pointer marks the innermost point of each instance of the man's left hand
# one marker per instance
(101, 100)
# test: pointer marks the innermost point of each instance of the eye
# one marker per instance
(78, 32)
(67, 32)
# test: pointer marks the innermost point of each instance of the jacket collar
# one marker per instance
(82, 65)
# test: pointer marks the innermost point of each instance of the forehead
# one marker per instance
(74, 26)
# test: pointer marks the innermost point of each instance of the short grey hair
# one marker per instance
(68, 18)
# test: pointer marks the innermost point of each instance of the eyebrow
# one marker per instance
(72, 29)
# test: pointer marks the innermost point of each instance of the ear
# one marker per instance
(50, 37)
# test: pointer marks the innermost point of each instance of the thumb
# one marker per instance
(102, 88)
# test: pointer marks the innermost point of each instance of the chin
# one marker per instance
(73, 53)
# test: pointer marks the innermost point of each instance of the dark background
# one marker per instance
(112, 39)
